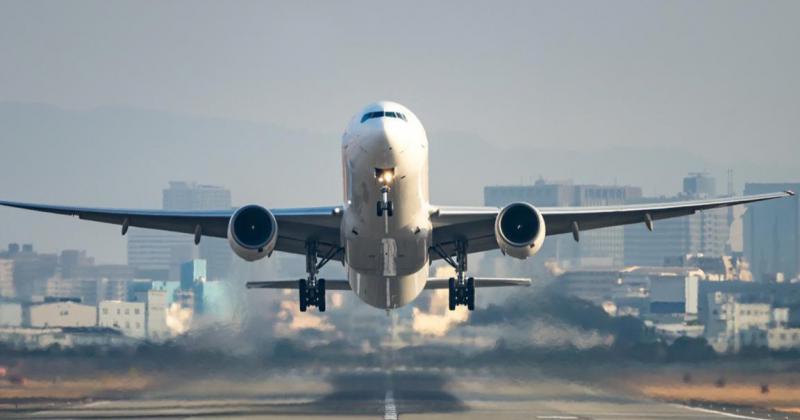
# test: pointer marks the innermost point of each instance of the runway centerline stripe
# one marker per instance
(721, 413)
(390, 410)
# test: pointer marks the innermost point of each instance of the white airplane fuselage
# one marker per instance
(386, 256)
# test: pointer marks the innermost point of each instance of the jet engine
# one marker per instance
(519, 230)
(252, 232)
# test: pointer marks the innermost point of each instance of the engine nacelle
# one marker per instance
(519, 230)
(252, 232)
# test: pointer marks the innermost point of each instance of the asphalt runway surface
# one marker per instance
(407, 393)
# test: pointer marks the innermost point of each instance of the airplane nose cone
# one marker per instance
(385, 141)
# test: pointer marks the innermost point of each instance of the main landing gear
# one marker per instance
(312, 289)
(461, 288)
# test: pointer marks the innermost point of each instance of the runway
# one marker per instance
(388, 394)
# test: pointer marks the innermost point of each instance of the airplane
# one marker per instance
(386, 232)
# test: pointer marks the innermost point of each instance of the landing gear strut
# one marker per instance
(385, 204)
(312, 289)
(461, 288)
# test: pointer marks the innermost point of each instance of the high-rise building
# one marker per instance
(72, 261)
(192, 272)
(704, 232)
(772, 233)
(700, 185)
(193, 280)
(7, 278)
(604, 247)
(158, 255)
(31, 270)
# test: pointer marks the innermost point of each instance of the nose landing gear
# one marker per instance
(385, 204)
(384, 176)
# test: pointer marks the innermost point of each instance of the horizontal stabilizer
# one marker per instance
(330, 284)
(432, 284)
(443, 282)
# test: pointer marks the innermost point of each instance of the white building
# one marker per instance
(157, 329)
(10, 314)
(670, 289)
(782, 338)
(61, 314)
(732, 325)
(128, 317)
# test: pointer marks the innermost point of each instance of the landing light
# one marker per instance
(384, 175)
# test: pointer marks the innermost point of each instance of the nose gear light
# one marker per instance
(385, 176)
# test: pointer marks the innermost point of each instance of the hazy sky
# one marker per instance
(716, 78)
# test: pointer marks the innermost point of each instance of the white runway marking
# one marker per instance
(390, 410)
(96, 404)
(721, 413)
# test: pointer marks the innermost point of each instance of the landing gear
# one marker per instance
(385, 204)
(461, 288)
(311, 289)
(462, 294)
(312, 296)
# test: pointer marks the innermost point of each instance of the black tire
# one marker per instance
(379, 209)
(451, 303)
(301, 286)
(321, 295)
(471, 294)
(390, 209)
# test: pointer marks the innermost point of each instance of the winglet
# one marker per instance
(790, 192)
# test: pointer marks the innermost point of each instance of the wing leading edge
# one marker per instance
(476, 224)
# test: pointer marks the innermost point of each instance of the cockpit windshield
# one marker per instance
(379, 114)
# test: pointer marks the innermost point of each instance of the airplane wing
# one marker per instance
(295, 225)
(476, 224)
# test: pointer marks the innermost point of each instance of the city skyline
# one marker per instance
(84, 124)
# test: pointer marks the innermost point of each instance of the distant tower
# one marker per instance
(157, 255)
(730, 183)
(731, 217)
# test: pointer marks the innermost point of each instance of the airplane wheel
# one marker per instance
(451, 303)
(321, 295)
(379, 209)
(303, 295)
(471, 294)
(390, 208)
